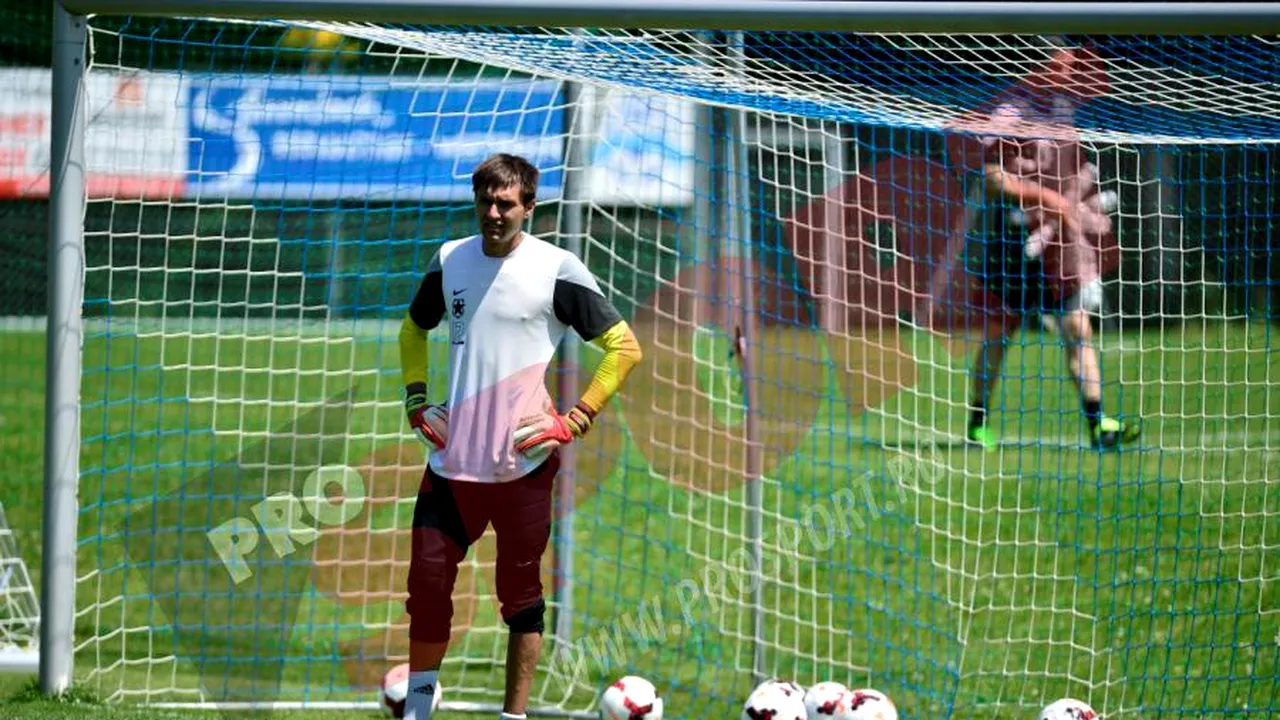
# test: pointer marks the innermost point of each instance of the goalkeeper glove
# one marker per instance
(540, 434)
(429, 422)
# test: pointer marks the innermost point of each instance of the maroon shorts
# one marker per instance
(450, 516)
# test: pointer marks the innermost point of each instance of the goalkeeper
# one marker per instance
(1039, 243)
(507, 298)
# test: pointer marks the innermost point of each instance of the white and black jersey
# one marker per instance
(505, 318)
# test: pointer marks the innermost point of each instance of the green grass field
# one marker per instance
(987, 584)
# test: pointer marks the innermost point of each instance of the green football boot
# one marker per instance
(1111, 433)
(982, 436)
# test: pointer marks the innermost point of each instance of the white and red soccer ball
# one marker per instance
(395, 688)
(775, 700)
(631, 698)
(1068, 709)
(864, 704)
(821, 700)
(833, 701)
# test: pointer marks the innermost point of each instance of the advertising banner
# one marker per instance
(219, 137)
(135, 139)
(308, 137)
(643, 149)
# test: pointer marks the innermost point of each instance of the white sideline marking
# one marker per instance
(1222, 442)
(335, 329)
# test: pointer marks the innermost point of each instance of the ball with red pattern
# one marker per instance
(775, 700)
(1068, 709)
(631, 698)
(395, 688)
(865, 704)
(822, 699)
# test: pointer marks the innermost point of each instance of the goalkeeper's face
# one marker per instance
(501, 213)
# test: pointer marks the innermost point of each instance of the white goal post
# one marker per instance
(723, 163)
(835, 15)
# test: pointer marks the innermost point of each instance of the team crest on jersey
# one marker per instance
(459, 310)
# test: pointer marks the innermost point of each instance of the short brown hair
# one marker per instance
(504, 170)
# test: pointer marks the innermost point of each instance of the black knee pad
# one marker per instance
(529, 620)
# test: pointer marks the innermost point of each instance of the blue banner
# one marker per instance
(324, 137)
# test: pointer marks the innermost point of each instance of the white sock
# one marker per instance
(509, 716)
(420, 701)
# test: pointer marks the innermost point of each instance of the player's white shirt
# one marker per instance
(505, 318)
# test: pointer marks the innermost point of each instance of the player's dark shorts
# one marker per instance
(450, 516)
(997, 256)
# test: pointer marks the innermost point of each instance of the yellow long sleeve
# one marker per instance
(621, 354)
(413, 353)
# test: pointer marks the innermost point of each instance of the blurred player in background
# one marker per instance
(507, 299)
(1040, 234)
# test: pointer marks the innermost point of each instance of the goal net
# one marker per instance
(783, 489)
(19, 608)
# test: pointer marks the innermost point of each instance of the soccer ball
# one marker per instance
(864, 704)
(820, 700)
(395, 688)
(775, 700)
(1068, 709)
(631, 698)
